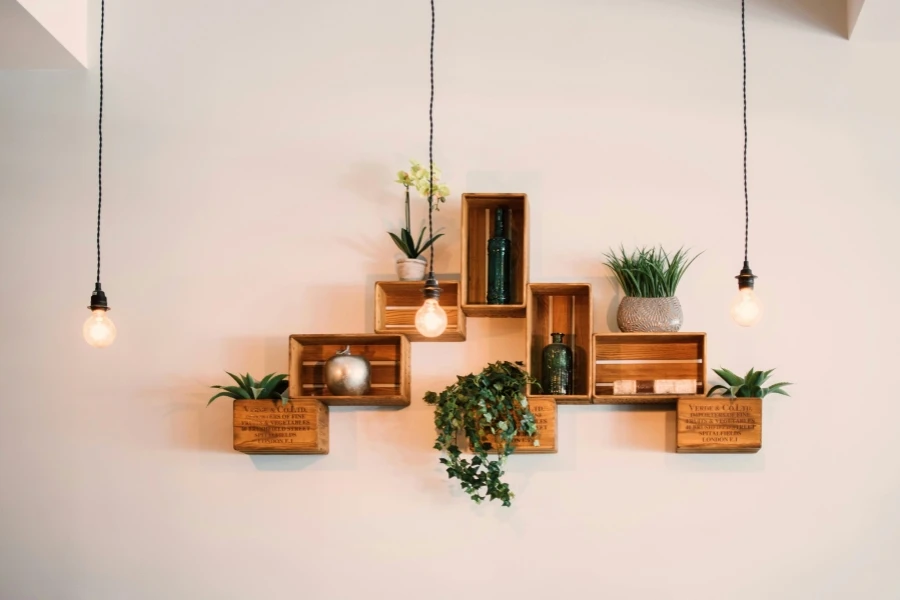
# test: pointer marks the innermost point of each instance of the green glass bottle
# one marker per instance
(499, 248)
(556, 367)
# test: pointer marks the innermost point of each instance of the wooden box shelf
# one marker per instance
(396, 303)
(270, 427)
(477, 228)
(561, 308)
(545, 413)
(647, 357)
(388, 354)
(719, 425)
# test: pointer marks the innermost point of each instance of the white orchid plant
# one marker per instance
(420, 178)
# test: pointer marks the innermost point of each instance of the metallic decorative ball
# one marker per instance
(347, 374)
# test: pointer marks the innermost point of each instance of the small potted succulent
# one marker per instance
(270, 387)
(412, 267)
(649, 278)
(748, 386)
(489, 410)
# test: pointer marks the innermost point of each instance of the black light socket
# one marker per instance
(431, 289)
(746, 279)
(98, 299)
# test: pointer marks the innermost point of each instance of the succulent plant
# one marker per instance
(748, 386)
(270, 387)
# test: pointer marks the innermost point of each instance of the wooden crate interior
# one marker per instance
(647, 356)
(396, 303)
(478, 212)
(567, 309)
(387, 354)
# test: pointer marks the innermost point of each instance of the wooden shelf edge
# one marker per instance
(359, 400)
(610, 400)
(495, 311)
(293, 453)
(414, 336)
(570, 399)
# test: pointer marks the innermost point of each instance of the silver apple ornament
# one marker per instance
(347, 374)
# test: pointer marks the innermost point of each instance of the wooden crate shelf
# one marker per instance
(388, 354)
(270, 427)
(643, 357)
(476, 231)
(545, 413)
(396, 303)
(561, 308)
(719, 425)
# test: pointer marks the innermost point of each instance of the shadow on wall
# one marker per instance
(829, 16)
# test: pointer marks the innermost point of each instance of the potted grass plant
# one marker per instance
(411, 266)
(649, 277)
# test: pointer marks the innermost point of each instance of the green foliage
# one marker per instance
(270, 387)
(649, 272)
(410, 247)
(748, 386)
(490, 403)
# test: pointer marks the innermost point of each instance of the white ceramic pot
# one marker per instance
(411, 269)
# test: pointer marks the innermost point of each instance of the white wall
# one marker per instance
(251, 149)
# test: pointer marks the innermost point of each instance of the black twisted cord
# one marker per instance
(430, 148)
(100, 135)
(746, 194)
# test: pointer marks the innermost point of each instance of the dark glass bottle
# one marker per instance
(499, 248)
(556, 367)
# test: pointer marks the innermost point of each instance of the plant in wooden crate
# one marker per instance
(270, 387)
(748, 386)
(649, 278)
(488, 406)
(412, 268)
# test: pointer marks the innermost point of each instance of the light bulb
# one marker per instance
(431, 319)
(99, 330)
(746, 309)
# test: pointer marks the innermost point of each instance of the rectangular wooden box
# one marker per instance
(719, 425)
(388, 355)
(561, 308)
(477, 227)
(545, 414)
(268, 427)
(396, 304)
(647, 356)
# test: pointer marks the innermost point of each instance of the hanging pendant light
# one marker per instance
(746, 309)
(99, 331)
(431, 319)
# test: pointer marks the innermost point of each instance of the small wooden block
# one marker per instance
(544, 410)
(561, 308)
(475, 233)
(388, 356)
(268, 427)
(396, 304)
(719, 425)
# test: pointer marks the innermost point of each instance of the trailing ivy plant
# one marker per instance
(488, 406)
(270, 387)
(748, 386)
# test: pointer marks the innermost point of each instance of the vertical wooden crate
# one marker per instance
(477, 227)
(396, 303)
(388, 355)
(545, 413)
(270, 427)
(719, 425)
(647, 356)
(562, 308)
